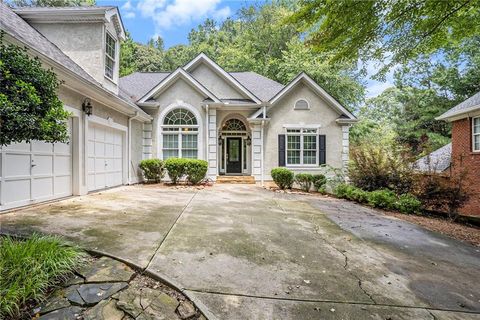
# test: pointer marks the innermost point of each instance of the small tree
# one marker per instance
(29, 106)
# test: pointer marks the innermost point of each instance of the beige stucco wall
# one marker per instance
(214, 83)
(320, 113)
(179, 93)
(84, 43)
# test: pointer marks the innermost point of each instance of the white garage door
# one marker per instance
(34, 172)
(105, 157)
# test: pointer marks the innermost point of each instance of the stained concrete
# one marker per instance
(249, 253)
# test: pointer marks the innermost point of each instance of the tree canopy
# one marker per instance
(29, 106)
(386, 30)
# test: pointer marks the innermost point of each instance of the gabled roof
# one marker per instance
(315, 87)
(263, 87)
(138, 84)
(179, 73)
(438, 161)
(202, 57)
(461, 109)
(74, 14)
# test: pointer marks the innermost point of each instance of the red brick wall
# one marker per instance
(464, 159)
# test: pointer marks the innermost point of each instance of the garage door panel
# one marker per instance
(118, 138)
(42, 187)
(109, 150)
(109, 136)
(61, 148)
(99, 133)
(43, 165)
(39, 146)
(63, 185)
(100, 180)
(99, 149)
(117, 153)
(117, 178)
(17, 165)
(16, 190)
(99, 165)
(117, 166)
(22, 146)
(62, 165)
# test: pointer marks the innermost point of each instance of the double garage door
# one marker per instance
(39, 171)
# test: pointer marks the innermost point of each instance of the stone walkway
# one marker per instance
(106, 289)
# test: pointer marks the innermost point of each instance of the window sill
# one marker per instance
(110, 80)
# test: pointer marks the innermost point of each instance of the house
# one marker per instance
(437, 161)
(465, 154)
(242, 123)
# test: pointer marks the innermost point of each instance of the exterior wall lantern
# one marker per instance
(220, 140)
(249, 141)
(87, 107)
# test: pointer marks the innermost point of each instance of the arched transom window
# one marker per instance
(180, 134)
(234, 125)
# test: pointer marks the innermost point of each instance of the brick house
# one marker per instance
(465, 119)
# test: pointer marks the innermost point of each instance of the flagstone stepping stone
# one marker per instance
(186, 310)
(129, 301)
(54, 303)
(69, 313)
(105, 310)
(107, 270)
(93, 293)
(73, 296)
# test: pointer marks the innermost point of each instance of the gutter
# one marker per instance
(263, 145)
(463, 113)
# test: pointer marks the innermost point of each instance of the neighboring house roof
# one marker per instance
(438, 161)
(138, 84)
(261, 86)
(469, 105)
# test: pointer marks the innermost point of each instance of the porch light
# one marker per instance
(249, 141)
(220, 140)
(87, 107)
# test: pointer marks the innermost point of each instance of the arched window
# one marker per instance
(180, 134)
(234, 125)
(301, 104)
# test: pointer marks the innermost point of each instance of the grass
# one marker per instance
(29, 268)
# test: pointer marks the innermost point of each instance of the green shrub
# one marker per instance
(342, 189)
(305, 181)
(319, 182)
(29, 268)
(282, 177)
(358, 195)
(408, 203)
(176, 168)
(153, 169)
(384, 199)
(196, 170)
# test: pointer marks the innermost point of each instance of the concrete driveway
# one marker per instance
(249, 253)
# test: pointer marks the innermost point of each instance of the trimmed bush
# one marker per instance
(408, 203)
(196, 170)
(305, 181)
(176, 168)
(319, 182)
(358, 195)
(282, 177)
(384, 199)
(153, 169)
(342, 190)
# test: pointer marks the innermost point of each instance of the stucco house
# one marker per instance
(465, 148)
(242, 123)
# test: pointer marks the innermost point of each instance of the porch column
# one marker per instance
(257, 151)
(212, 144)
(147, 141)
(345, 147)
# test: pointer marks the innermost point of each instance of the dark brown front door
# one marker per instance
(234, 155)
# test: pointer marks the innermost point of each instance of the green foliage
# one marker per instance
(176, 168)
(282, 177)
(29, 268)
(408, 203)
(29, 106)
(392, 31)
(375, 167)
(384, 199)
(153, 169)
(319, 182)
(305, 181)
(196, 170)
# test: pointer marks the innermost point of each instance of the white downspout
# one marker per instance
(263, 146)
(129, 146)
(207, 120)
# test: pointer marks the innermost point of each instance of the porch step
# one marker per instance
(236, 179)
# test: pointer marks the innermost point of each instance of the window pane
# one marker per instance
(476, 125)
(180, 117)
(293, 157)
(189, 141)
(170, 141)
(170, 154)
(110, 46)
(309, 157)
(109, 65)
(310, 142)
(293, 142)
(476, 142)
(189, 154)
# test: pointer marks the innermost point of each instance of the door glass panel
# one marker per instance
(233, 152)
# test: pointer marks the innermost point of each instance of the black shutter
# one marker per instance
(322, 150)
(281, 150)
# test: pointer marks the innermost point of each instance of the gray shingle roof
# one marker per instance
(437, 161)
(472, 102)
(76, 8)
(262, 87)
(140, 83)
(16, 27)
(137, 84)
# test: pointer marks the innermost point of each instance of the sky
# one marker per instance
(173, 20)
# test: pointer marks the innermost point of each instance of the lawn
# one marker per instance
(29, 268)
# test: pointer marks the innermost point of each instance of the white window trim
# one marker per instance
(308, 104)
(108, 34)
(474, 134)
(302, 134)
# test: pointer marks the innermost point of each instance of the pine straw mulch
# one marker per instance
(459, 231)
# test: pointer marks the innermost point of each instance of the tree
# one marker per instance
(29, 106)
(383, 29)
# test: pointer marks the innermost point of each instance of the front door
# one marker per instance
(234, 155)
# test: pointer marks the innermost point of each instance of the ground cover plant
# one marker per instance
(29, 268)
